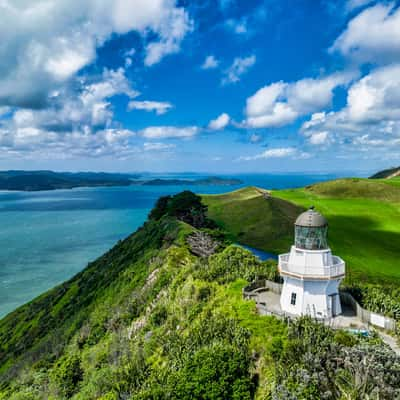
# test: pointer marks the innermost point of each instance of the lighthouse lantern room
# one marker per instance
(310, 272)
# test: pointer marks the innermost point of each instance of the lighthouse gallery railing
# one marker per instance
(335, 269)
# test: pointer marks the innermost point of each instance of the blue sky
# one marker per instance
(211, 86)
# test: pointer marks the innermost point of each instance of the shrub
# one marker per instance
(66, 374)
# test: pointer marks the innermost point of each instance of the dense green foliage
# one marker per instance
(381, 299)
(186, 206)
(315, 363)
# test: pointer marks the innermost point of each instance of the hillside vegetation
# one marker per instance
(152, 320)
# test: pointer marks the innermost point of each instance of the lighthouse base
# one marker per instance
(319, 299)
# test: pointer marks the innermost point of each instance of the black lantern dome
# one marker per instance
(311, 229)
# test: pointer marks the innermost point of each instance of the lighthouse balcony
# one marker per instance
(333, 269)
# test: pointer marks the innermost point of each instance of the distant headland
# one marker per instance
(51, 180)
(211, 180)
(387, 173)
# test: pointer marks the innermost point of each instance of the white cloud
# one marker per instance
(376, 96)
(279, 152)
(156, 146)
(45, 43)
(372, 36)
(220, 122)
(163, 132)
(146, 105)
(210, 63)
(239, 67)
(171, 31)
(370, 119)
(354, 4)
(79, 122)
(319, 138)
(281, 103)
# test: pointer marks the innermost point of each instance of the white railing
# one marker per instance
(336, 269)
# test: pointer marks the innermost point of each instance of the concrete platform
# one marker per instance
(268, 303)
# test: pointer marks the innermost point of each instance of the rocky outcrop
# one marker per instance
(201, 244)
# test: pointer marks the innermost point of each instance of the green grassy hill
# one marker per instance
(363, 216)
(252, 218)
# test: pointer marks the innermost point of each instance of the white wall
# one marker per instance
(312, 297)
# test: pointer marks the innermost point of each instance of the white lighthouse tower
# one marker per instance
(310, 272)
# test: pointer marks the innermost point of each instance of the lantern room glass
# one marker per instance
(311, 238)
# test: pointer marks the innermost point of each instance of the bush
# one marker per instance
(186, 206)
(66, 375)
(215, 372)
(231, 264)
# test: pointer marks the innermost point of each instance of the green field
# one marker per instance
(363, 216)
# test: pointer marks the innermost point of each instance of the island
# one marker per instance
(51, 180)
(209, 181)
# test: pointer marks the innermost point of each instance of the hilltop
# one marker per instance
(154, 319)
(387, 173)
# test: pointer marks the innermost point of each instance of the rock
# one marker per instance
(202, 244)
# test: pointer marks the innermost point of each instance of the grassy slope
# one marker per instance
(50, 320)
(253, 220)
(90, 315)
(363, 215)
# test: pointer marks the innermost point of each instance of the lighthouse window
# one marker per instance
(293, 299)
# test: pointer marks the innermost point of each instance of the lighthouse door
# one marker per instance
(333, 303)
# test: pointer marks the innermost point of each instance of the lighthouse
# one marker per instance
(311, 274)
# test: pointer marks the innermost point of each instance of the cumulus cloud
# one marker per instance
(157, 146)
(372, 36)
(164, 132)
(279, 152)
(371, 116)
(147, 105)
(220, 122)
(171, 32)
(319, 138)
(210, 63)
(238, 68)
(79, 121)
(281, 103)
(45, 43)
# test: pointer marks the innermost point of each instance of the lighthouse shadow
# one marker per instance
(370, 251)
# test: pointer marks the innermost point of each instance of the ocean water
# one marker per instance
(47, 237)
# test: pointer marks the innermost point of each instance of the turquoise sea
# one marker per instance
(46, 237)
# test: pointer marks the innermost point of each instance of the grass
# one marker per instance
(363, 216)
(254, 220)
